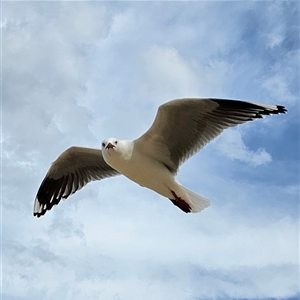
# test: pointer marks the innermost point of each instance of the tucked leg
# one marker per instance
(184, 206)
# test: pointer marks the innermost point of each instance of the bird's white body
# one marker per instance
(147, 172)
(143, 170)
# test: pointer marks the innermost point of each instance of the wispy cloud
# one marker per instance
(232, 146)
(278, 88)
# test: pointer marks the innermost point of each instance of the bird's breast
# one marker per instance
(141, 169)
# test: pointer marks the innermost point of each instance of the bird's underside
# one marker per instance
(181, 128)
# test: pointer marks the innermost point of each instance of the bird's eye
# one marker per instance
(103, 144)
(116, 142)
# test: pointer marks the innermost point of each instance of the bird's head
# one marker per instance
(111, 143)
(114, 150)
(109, 147)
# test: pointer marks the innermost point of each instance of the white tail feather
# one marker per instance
(196, 202)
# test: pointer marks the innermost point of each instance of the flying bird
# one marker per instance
(180, 129)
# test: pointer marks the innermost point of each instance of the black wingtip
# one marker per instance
(35, 214)
(47, 196)
(46, 208)
(262, 109)
(281, 109)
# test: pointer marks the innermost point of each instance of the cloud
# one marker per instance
(278, 88)
(275, 39)
(232, 146)
(175, 73)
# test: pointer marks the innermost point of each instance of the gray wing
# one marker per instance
(183, 126)
(73, 169)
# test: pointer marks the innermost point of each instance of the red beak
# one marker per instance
(109, 146)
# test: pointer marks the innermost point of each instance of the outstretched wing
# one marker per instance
(183, 126)
(73, 169)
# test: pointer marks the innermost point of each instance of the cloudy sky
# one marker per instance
(74, 73)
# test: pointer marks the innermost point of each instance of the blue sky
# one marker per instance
(75, 73)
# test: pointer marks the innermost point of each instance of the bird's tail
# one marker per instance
(196, 202)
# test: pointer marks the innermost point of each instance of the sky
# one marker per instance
(75, 73)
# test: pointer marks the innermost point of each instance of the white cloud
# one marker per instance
(231, 144)
(122, 23)
(275, 39)
(169, 72)
(278, 88)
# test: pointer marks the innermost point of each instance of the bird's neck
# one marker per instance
(125, 150)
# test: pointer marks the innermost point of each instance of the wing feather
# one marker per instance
(183, 126)
(72, 170)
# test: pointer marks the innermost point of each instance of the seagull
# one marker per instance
(180, 129)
